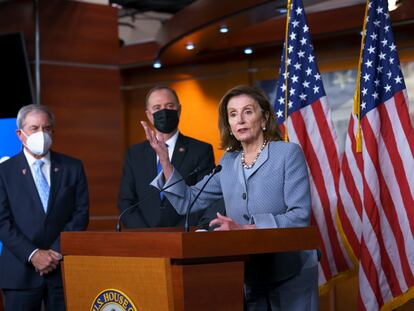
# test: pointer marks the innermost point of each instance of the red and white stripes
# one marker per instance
(312, 129)
(377, 214)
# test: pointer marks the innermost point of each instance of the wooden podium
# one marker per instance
(169, 270)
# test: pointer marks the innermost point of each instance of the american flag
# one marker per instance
(310, 126)
(376, 186)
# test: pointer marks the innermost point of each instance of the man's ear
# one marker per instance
(149, 116)
(20, 135)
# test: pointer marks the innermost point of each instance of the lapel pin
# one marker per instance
(24, 171)
(181, 149)
(56, 169)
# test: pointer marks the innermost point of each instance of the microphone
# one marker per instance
(129, 208)
(187, 215)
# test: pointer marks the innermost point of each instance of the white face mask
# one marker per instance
(38, 143)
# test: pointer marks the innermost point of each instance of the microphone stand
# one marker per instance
(129, 208)
(187, 214)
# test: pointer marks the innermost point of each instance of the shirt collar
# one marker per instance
(172, 140)
(31, 159)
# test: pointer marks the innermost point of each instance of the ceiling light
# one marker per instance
(190, 46)
(156, 64)
(393, 5)
(224, 29)
(248, 51)
(281, 11)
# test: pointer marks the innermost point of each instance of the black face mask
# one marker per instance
(166, 120)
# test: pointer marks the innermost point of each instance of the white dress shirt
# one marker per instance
(171, 145)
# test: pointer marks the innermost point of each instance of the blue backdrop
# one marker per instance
(9, 143)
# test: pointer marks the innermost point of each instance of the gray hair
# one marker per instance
(25, 110)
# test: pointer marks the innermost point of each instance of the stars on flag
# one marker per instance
(303, 96)
(279, 113)
(305, 28)
(380, 73)
(304, 83)
(363, 105)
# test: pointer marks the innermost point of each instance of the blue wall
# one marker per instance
(9, 143)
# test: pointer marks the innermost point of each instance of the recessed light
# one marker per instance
(190, 46)
(156, 64)
(248, 51)
(224, 29)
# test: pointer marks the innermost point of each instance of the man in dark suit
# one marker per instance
(42, 193)
(141, 166)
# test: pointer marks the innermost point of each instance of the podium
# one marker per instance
(167, 270)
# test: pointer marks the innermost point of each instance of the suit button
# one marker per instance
(244, 196)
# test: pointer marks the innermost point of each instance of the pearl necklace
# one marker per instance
(255, 159)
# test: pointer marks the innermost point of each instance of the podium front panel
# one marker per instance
(145, 281)
(205, 287)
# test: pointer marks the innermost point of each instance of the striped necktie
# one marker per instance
(159, 169)
(41, 183)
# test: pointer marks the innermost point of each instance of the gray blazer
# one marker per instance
(274, 193)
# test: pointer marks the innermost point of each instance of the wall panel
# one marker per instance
(88, 113)
(78, 32)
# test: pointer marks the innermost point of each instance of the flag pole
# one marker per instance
(286, 138)
(357, 95)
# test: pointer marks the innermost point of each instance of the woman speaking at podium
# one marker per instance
(264, 183)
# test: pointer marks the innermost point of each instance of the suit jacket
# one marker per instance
(24, 226)
(140, 168)
(274, 193)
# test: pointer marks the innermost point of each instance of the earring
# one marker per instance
(231, 134)
(264, 128)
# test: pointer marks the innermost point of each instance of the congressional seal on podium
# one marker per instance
(112, 300)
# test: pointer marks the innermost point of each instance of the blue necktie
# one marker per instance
(41, 183)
